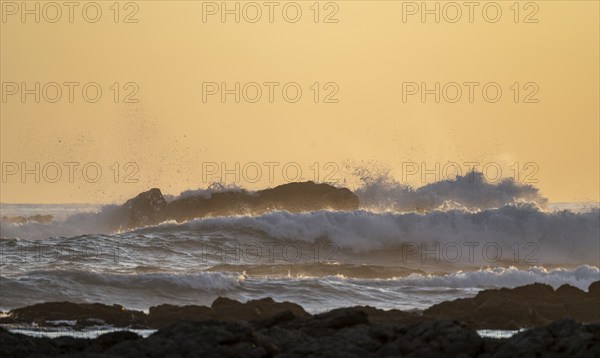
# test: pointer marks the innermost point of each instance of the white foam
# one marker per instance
(581, 277)
(557, 237)
(470, 192)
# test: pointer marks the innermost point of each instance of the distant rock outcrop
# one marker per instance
(145, 209)
(42, 219)
(150, 207)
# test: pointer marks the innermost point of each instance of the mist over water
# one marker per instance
(405, 248)
(469, 192)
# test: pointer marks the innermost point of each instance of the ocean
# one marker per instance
(386, 258)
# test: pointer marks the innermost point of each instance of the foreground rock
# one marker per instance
(335, 334)
(150, 207)
(524, 306)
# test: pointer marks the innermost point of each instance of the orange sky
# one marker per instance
(370, 57)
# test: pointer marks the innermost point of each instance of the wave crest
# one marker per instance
(470, 192)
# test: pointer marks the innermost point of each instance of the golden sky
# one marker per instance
(370, 52)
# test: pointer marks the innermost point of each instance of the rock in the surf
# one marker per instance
(145, 209)
(150, 207)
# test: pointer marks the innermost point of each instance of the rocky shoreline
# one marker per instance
(504, 309)
(565, 321)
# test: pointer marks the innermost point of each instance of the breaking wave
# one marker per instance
(559, 236)
(470, 192)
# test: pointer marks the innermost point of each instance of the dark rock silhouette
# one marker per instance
(336, 334)
(90, 314)
(86, 314)
(594, 289)
(562, 338)
(150, 207)
(377, 315)
(223, 309)
(525, 306)
(145, 209)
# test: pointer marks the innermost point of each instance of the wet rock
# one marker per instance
(19, 345)
(525, 306)
(340, 318)
(66, 344)
(594, 290)
(570, 291)
(227, 309)
(377, 315)
(308, 196)
(86, 314)
(223, 309)
(145, 209)
(563, 338)
(339, 333)
(150, 207)
(197, 339)
(434, 339)
(165, 315)
(111, 339)
(292, 197)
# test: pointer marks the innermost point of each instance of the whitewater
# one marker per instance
(405, 248)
